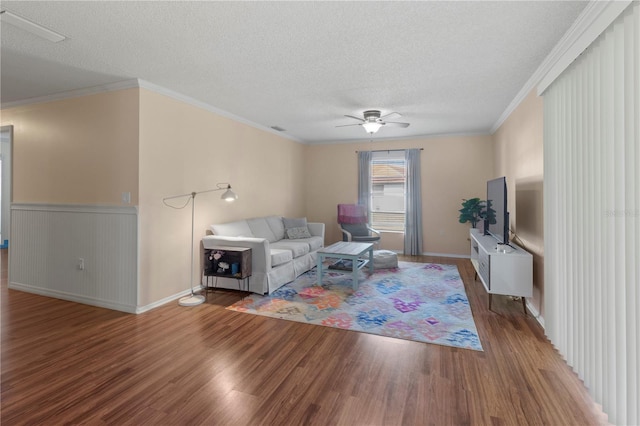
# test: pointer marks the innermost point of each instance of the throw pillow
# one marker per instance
(298, 232)
(293, 223)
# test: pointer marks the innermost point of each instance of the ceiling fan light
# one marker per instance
(371, 126)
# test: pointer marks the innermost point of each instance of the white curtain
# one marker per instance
(592, 215)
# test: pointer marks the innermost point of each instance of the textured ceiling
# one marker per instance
(447, 67)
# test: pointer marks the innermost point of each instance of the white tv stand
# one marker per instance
(507, 272)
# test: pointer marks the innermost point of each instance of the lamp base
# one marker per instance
(192, 300)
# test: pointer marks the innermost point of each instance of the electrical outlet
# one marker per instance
(81, 264)
(126, 197)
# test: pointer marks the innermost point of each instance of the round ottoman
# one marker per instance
(384, 259)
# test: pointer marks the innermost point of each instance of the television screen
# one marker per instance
(497, 215)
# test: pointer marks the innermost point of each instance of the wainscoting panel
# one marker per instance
(86, 254)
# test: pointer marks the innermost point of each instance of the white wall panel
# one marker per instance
(48, 241)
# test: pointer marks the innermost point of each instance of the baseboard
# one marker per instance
(457, 256)
(535, 313)
(72, 297)
(97, 302)
(168, 299)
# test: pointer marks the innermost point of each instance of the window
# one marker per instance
(388, 178)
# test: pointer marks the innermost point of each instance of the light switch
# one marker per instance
(126, 197)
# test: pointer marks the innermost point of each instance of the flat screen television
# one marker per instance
(497, 220)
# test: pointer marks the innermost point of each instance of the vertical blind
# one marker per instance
(592, 215)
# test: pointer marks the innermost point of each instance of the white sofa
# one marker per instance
(276, 260)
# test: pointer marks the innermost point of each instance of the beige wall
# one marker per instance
(453, 168)
(89, 150)
(519, 157)
(185, 149)
(76, 151)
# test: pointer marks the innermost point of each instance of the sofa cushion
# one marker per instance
(314, 242)
(261, 229)
(233, 229)
(298, 248)
(277, 226)
(278, 257)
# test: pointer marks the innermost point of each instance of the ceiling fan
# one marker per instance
(372, 121)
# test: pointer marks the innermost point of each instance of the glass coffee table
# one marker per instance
(347, 250)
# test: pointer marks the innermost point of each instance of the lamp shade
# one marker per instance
(229, 195)
(371, 126)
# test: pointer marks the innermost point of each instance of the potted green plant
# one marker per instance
(471, 211)
(488, 214)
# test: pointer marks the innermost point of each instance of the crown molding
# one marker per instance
(593, 20)
(199, 104)
(601, 16)
(110, 87)
(142, 84)
(34, 28)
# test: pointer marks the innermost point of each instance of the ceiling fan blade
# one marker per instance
(357, 118)
(396, 124)
(347, 125)
(391, 115)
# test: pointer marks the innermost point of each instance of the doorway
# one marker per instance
(6, 147)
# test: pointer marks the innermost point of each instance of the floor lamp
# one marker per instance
(229, 196)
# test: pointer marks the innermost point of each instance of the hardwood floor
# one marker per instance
(67, 363)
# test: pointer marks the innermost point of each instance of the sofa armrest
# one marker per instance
(316, 229)
(260, 252)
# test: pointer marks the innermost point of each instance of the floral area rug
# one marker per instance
(416, 301)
